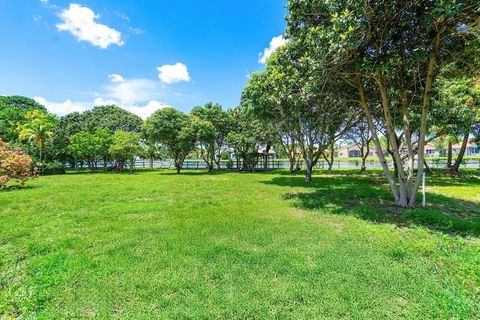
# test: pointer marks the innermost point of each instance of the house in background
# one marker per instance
(473, 149)
(352, 151)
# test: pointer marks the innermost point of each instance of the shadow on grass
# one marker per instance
(368, 197)
(18, 188)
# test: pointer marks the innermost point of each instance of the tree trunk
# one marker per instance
(392, 138)
(292, 166)
(308, 173)
(449, 154)
(364, 156)
(363, 167)
(425, 108)
(376, 140)
(460, 155)
(427, 167)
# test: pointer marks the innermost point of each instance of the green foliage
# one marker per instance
(211, 149)
(206, 138)
(54, 167)
(125, 146)
(12, 112)
(248, 136)
(301, 106)
(36, 129)
(458, 104)
(153, 151)
(111, 118)
(174, 130)
(389, 53)
(65, 127)
(90, 148)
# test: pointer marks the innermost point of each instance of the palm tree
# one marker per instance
(37, 129)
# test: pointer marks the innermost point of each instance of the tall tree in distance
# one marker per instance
(460, 98)
(213, 113)
(124, 148)
(247, 137)
(12, 112)
(112, 118)
(300, 102)
(65, 127)
(206, 138)
(173, 129)
(361, 137)
(37, 129)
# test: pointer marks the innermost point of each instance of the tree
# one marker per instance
(295, 98)
(65, 127)
(173, 129)
(153, 151)
(460, 98)
(12, 112)
(206, 137)
(390, 53)
(361, 136)
(125, 146)
(37, 129)
(261, 96)
(15, 165)
(213, 113)
(112, 118)
(103, 139)
(91, 148)
(248, 136)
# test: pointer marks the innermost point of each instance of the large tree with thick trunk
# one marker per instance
(389, 52)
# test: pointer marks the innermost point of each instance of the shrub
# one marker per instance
(52, 168)
(15, 165)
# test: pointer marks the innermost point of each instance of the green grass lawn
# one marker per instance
(237, 246)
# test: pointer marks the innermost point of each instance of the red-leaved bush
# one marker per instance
(15, 165)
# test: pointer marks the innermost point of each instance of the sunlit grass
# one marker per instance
(229, 245)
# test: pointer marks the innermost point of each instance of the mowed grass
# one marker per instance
(237, 246)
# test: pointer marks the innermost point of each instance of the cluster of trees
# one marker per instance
(388, 75)
(112, 136)
(400, 72)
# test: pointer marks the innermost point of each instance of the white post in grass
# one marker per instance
(423, 190)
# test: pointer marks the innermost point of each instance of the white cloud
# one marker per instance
(62, 108)
(68, 106)
(145, 111)
(104, 102)
(116, 77)
(132, 91)
(80, 22)
(139, 96)
(171, 73)
(275, 43)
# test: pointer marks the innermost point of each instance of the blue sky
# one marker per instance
(141, 55)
